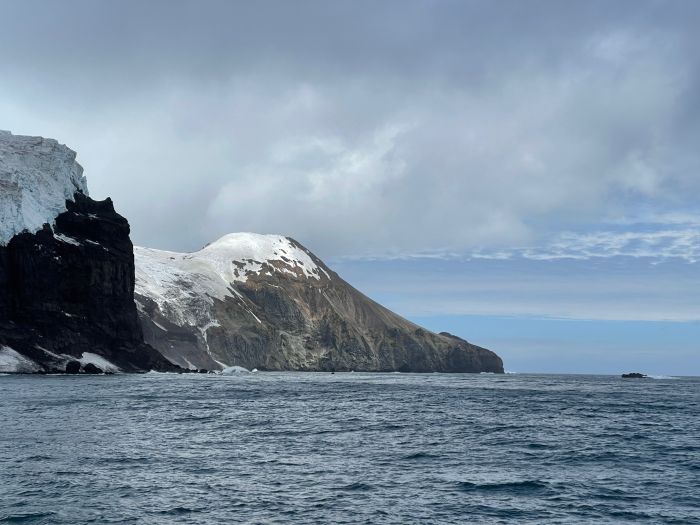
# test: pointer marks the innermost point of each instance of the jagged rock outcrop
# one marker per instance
(66, 269)
(266, 302)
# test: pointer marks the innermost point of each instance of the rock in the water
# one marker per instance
(73, 367)
(266, 302)
(634, 375)
(92, 369)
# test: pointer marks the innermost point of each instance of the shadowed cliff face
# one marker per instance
(69, 290)
(280, 318)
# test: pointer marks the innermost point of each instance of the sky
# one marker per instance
(522, 174)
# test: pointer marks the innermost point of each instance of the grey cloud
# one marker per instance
(362, 127)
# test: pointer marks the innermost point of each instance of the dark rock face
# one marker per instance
(70, 290)
(92, 369)
(73, 367)
(281, 321)
(634, 375)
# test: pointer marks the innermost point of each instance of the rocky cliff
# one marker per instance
(266, 302)
(66, 269)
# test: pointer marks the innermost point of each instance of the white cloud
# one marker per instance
(682, 244)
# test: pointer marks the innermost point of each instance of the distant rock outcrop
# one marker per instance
(266, 302)
(634, 375)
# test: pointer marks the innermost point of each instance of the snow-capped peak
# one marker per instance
(184, 285)
(249, 251)
(233, 258)
(37, 176)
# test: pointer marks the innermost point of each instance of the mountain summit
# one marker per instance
(266, 302)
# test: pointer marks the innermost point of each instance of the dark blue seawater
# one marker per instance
(349, 448)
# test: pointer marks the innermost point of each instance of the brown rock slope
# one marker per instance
(266, 302)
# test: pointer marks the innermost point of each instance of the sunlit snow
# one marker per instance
(185, 284)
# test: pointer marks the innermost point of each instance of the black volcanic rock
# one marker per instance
(69, 290)
(73, 367)
(634, 375)
(92, 369)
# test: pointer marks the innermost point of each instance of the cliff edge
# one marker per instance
(66, 269)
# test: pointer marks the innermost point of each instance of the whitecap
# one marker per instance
(233, 370)
(99, 361)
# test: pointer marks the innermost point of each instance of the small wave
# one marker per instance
(419, 455)
(357, 486)
(39, 458)
(516, 487)
(662, 377)
(31, 517)
(615, 495)
(178, 511)
(233, 370)
(195, 418)
(538, 446)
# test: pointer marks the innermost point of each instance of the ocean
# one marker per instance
(349, 448)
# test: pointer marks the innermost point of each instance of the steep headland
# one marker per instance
(266, 302)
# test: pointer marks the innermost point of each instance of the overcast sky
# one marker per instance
(555, 141)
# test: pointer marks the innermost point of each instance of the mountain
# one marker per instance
(66, 269)
(266, 302)
(72, 298)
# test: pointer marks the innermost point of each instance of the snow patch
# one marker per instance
(185, 285)
(99, 361)
(160, 325)
(59, 357)
(66, 239)
(37, 176)
(190, 366)
(13, 362)
(233, 258)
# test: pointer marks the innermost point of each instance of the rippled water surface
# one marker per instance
(349, 448)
